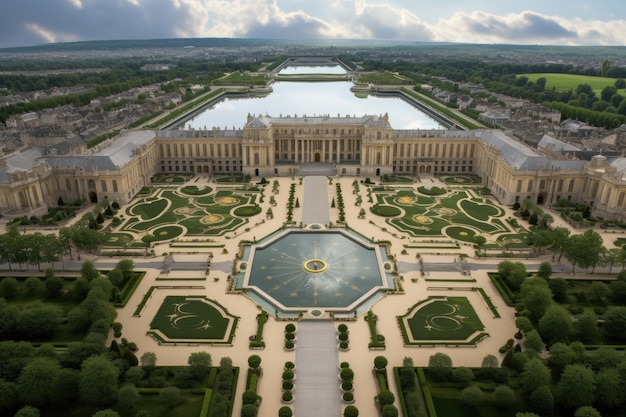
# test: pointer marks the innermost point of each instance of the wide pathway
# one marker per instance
(317, 368)
(317, 384)
(315, 208)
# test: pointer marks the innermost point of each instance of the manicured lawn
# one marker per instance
(455, 214)
(564, 82)
(193, 319)
(194, 190)
(451, 319)
(462, 179)
(171, 178)
(200, 211)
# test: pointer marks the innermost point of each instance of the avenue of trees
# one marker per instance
(19, 251)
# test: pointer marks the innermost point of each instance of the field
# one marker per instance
(564, 82)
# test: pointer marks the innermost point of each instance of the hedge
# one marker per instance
(430, 405)
(204, 411)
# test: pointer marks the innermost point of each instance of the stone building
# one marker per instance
(267, 146)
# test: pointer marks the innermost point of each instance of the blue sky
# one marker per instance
(547, 22)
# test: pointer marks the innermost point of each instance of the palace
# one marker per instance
(367, 146)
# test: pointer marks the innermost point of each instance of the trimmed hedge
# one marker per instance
(430, 405)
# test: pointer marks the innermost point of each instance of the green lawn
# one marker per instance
(448, 319)
(200, 211)
(455, 214)
(195, 319)
(564, 82)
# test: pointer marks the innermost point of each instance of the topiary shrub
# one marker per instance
(290, 328)
(348, 396)
(342, 328)
(285, 411)
(351, 411)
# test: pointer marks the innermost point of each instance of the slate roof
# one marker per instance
(556, 145)
(116, 154)
(19, 162)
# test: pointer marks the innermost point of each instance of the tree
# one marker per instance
(286, 411)
(533, 341)
(609, 392)
(620, 83)
(559, 288)
(170, 396)
(127, 397)
(66, 389)
(462, 376)
(560, 237)
(351, 411)
(605, 358)
(54, 286)
(617, 291)
(611, 257)
(88, 270)
(8, 317)
(545, 270)
(472, 396)
(586, 327)
(385, 397)
(490, 361)
(389, 410)
(9, 287)
(28, 411)
(514, 273)
(560, 356)
(535, 374)
(8, 395)
(587, 411)
(524, 324)
(33, 286)
(615, 323)
(254, 361)
(380, 362)
(577, 386)
(584, 249)
(536, 297)
(126, 267)
(249, 410)
(199, 363)
(542, 400)
(504, 396)
(249, 396)
(149, 359)
(36, 381)
(98, 381)
(555, 325)
(116, 278)
(440, 366)
(38, 321)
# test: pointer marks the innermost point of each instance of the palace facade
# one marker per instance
(368, 146)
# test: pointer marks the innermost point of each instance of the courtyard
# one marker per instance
(216, 245)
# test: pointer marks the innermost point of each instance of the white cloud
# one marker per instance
(48, 35)
(76, 3)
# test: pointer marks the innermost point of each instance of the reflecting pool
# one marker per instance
(323, 269)
(311, 98)
(312, 69)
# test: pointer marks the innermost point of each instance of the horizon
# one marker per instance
(575, 23)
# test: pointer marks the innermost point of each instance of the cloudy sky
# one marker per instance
(554, 22)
